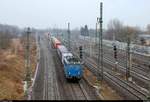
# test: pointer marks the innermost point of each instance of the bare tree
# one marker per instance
(116, 30)
(129, 32)
(7, 32)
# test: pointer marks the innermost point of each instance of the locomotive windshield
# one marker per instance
(72, 60)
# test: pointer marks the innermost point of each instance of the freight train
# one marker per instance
(72, 66)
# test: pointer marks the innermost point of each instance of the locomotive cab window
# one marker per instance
(72, 60)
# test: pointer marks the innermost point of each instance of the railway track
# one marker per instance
(79, 90)
(53, 91)
(141, 60)
(140, 63)
(38, 89)
(136, 58)
(83, 90)
(45, 87)
(72, 90)
(138, 74)
(45, 95)
(139, 77)
(135, 67)
(131, 90)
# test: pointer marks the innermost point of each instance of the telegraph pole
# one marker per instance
(101, 36)
(69, 36)
(100, 49)
(27, 62)
(128, 59)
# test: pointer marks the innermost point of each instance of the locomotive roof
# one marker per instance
(62, 48)
(67, 54)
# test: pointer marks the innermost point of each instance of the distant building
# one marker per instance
(144, 39)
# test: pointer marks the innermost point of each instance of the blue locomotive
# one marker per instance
(72, 66)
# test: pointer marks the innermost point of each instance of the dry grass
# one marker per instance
(12, 69)
(106, 91)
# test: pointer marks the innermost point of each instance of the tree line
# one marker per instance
(7, 32)
(116, 30)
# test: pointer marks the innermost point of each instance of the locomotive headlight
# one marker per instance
(69, 73)
(78, 73)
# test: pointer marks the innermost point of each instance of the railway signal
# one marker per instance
(81, 52)
(115, 56)
(115, 52)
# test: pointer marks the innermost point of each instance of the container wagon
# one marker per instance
(55, 42)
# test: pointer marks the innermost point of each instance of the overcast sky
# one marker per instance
(56, 13)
